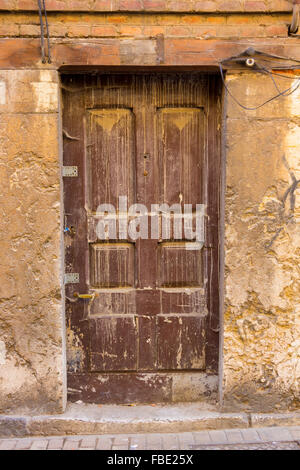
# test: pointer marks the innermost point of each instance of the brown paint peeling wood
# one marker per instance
(113, 343)
(126, 124)
(75, 351)
(181, 342)
(180, 267)
(112, 265)
(110, 156)
(108, 118)
(120, 388)
(180, 136)
(114, 301)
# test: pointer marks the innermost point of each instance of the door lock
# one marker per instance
(146, 159)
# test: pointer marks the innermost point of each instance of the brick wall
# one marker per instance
(154, 5)
(147, 25)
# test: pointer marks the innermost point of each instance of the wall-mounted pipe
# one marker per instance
(294, 26)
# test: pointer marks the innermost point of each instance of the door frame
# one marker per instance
(217, 123)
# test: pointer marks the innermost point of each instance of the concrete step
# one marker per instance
(85, 419)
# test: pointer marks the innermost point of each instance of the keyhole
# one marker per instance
(145, 161)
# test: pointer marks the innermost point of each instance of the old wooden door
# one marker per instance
(141, 302)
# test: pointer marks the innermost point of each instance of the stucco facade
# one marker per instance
(260, 314)
(32, 343)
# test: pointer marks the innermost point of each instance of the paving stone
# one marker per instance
(137, 443)
(55, 444)
(186, 441)
(271, 438)
(282, 434)
(250, 435)
(274, 434)
(234, 436)
(218, 437)
(170, 442)
(202, 437)
(104, 443)
(7, 444)
(295, 433)
(121, 441)
(154, 442)
(71, 444)
(39, 444)
(88, 442)
(23, 444)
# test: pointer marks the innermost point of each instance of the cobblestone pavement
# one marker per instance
(275, 438)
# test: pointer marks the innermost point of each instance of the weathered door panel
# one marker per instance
(145, 139)
(180, 140)
(112, 265)
(181, 342)
(113, 343)
(110, 151)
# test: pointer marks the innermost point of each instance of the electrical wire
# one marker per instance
(271, 72)
(42, 32)
(43, 11)
(287, 92)
(251, 52)
(47, 30)
(266, 71)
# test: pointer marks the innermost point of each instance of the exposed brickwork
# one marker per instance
(147, 26)
(153, 5)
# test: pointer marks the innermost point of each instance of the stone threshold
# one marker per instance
(85, 419)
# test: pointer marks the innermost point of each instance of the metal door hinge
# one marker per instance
(71, 278)
(71, 171)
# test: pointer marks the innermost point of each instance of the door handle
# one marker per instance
(84, 296)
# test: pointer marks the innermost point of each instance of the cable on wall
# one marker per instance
(254, 59)
(43, 12)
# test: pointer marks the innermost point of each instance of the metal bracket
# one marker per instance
(71, 278)
(71, 171)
